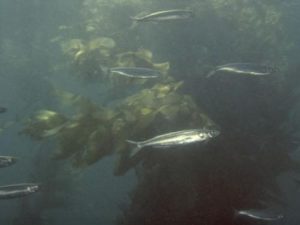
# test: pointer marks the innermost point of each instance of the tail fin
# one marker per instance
(106, 71)
(136, 150)
(134, 23)
(235, 213)
(210, 73)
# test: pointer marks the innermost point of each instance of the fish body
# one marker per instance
(3, 109)
(6, 161)
(18, 190)
(173, 14)
(56, 130)
(244, 68)
(259, 214)
(177, 138)
(135, 72)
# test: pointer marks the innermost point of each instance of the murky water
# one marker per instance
(68, 117)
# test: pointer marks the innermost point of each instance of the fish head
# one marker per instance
(269, 69)
(207, 134)
(8, 160)
(33, 188)
(203, 136)
(11, 160)
(213, 133)
(273, 69)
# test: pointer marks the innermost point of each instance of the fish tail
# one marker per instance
(210, 74)
(135, 22)
(136, 150)
(133, 25)
(235, 213)
(105, 70)
(133, 18)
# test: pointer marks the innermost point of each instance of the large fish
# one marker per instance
(259, 214)
(173, 14)
(135, 72)
(173, 139)
(6, 161)
(18, 190)
(244, 68)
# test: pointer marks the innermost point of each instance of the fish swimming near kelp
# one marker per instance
(245, 69)
(135, 72)
(59, 128)
(259, 214)
(18, 190)
(173, 139)
(6, 161)
(165, 15)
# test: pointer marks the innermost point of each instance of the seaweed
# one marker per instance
(199, 184)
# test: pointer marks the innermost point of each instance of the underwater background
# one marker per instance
(67, 120)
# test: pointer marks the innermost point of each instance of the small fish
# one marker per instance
(56, 130)
(244, 68)
(259, 214)
(135, 72)
(6, 161)
(18, 190)
(166, 15)
(173, 139)
(3, 109)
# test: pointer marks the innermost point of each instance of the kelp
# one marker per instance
(91, 60)
(201, 184)
(96, 132)
(88, 57)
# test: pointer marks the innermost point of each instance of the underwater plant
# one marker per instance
(202, 184)
(97, 131)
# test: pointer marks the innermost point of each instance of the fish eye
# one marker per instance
(201, 135)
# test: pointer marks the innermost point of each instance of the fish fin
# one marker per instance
(136, 150)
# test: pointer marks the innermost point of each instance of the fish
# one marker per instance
(259, 214)
(135, 72)
(56, 130)
(3, 109)
(6, 161)
(18, 190)
(244, 68)
(166, 15)
(173, 139)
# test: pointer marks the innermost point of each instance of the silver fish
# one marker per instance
(18, 190)
(244, 68)
(56, 130)
(259, 214)
(173, 14)
(173, 139)
(135, 72)
(6, 161)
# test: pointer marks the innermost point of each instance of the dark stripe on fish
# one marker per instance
(173, 14)
(244, 68)
(135, 72)
(18, 190)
